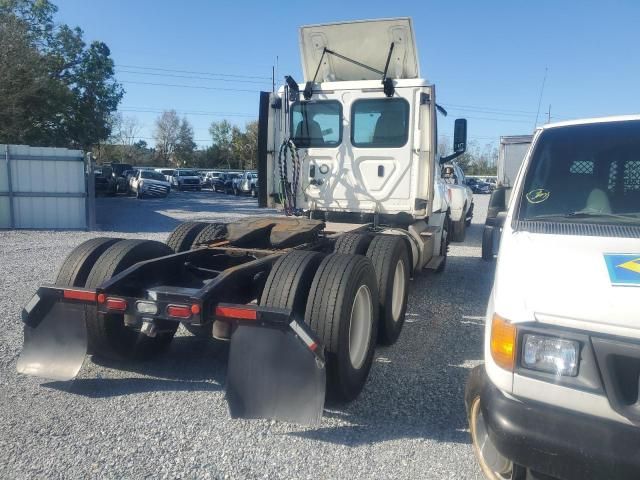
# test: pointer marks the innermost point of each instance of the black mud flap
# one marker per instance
(277, 374)
(54, 348)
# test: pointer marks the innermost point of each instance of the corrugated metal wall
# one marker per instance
(42, 188)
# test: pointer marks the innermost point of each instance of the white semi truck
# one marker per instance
(557, 396)
(304, 297)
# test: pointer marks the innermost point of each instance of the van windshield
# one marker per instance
(586, 173)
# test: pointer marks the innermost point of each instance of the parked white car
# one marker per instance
(246, 183)
(558, 392)
(149, 183)
(460, 200)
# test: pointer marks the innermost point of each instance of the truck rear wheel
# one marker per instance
(108, 335)
(352, 243)
(210, 233)
(444, 244)
(290, 280)
(342, 311)
(182, 237)
(76, 267)
(390, 259)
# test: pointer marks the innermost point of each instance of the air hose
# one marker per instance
(289, 154)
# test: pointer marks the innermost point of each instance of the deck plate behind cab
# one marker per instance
(273, 232)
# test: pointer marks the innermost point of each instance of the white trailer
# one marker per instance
(510, 156)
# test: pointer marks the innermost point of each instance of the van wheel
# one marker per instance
(182, 237)
(78, 264)
(494, 465)
(109, 337)
(487, 243)
(352, 243)
(342, 311)
(459, 229)
(390, 259)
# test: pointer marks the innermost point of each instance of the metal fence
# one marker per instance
(42, 187)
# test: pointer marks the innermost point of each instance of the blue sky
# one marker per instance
(487, 58)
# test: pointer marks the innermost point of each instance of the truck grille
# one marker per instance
(156, 190)
(582, 229)
(190, 181)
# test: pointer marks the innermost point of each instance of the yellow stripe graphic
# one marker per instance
(633, 265)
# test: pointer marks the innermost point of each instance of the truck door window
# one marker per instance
(316, 124)
(379, 123)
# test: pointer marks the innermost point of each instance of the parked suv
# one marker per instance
(224, 183)
(460, 200)
(558, 392)
(149, 183)
(186, 180)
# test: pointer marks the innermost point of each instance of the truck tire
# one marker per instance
(494, 465)
(76, 267)
(290, 280)
(108, 335)
(211, 232)
(390, 259)
(182, 237)
(352, 243)
(459, 230)
(341, 310)
(444, 244)
(487, 243)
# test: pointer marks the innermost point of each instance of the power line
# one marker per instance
(137, 67)
(453, 105)
(189, 86)
(263, 82)
(186, 112)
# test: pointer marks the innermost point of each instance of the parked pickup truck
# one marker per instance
(149, 183)
(186, 180)
(460, 200)
(558, 393)
(246, 183)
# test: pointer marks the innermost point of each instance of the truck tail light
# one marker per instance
(503, 342)
(79, 295)
(117, 304)
(237, 313)
(179, 311)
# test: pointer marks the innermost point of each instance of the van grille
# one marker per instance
(582, 229)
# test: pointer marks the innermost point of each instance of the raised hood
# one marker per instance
(565, 280)
(365, 41)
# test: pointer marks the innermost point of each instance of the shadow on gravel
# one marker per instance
(191, 364)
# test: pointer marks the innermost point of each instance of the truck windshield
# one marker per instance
(187, 173)
(587, 173)
(316, 124)
(152, 175)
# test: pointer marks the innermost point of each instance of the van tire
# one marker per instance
(386, 252)
(352, 243)
(487, 243)
(107, 334)
(344, 291)
(76, 267)
(182, 237)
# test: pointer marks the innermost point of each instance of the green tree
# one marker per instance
(185, 145)
(54, 90)
(222, 136)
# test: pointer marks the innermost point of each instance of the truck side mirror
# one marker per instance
(460, 136)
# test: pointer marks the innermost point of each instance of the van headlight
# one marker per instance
(550, 354)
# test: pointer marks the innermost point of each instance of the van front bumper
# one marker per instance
(558, 442)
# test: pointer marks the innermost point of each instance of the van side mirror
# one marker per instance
(460, 136)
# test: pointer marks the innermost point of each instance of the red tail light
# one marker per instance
(179, 311)
(237, 313)
(117, 304)
(79, 295)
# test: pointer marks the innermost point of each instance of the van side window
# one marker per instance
(379, 123)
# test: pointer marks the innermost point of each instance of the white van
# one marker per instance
(558, 393)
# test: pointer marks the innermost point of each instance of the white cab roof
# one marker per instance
(584, 121)
(366, 41)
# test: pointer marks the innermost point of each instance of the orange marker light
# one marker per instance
(503, 342)
(195, 309)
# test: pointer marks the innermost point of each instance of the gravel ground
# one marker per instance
(168, 418)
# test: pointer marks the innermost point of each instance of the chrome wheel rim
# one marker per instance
(360, 327)
(492, 462)
(397, 296)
